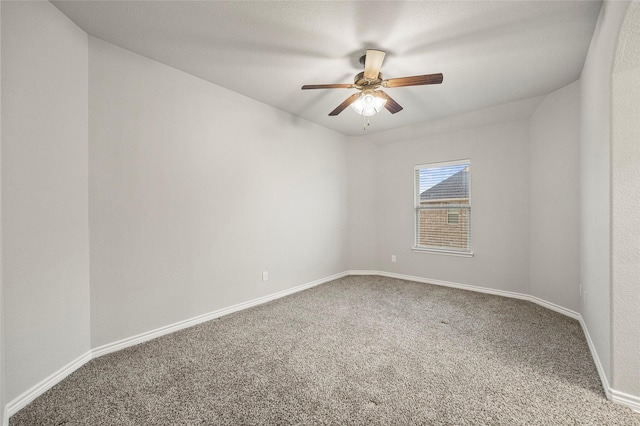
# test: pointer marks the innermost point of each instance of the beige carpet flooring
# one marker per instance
(360, 350)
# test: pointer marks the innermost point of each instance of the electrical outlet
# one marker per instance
(265, 276)
(393, 258)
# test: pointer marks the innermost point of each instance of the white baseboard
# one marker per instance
(630, 401)
(596, 359)
(149, 335)
(504, 293)
(29, 395)
(613, 395)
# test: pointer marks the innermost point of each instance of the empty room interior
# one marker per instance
(320, 212)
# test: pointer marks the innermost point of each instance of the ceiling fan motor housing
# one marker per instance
(360, 80)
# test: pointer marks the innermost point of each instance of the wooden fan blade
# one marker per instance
(327, 86)
(416, 80)
(351, 99)
(391, 105)
(373, 63)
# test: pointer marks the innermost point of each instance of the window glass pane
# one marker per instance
(435, 231)
(442, 184)
(443, 208)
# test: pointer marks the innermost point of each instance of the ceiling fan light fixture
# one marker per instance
(368, 104)
(371, 99)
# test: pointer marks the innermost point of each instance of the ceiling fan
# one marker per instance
(369, 99)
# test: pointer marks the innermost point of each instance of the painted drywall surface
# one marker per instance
(499, 212)
(363, 212)
(45, 244)
(595, 170)
(555, 206)
(195, 191)
(2, 385)
(504, 113)
(625, 196)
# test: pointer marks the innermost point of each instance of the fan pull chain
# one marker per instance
(365, 122)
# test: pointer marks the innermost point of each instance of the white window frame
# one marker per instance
(416, 208)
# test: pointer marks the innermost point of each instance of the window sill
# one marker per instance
(444, 252)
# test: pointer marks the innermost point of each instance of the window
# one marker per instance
(453, 216)
(443, 207)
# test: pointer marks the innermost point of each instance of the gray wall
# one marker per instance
(45, 241)
(363, 207)
(625, 195)
(524, 196)
(499, 198)
(595, 172)
(554, 158)
(2, 381)
(195, 190)
(499, 206)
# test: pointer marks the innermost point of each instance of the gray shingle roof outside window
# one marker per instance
(455, 186)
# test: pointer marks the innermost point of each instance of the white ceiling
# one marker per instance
(490, 52)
